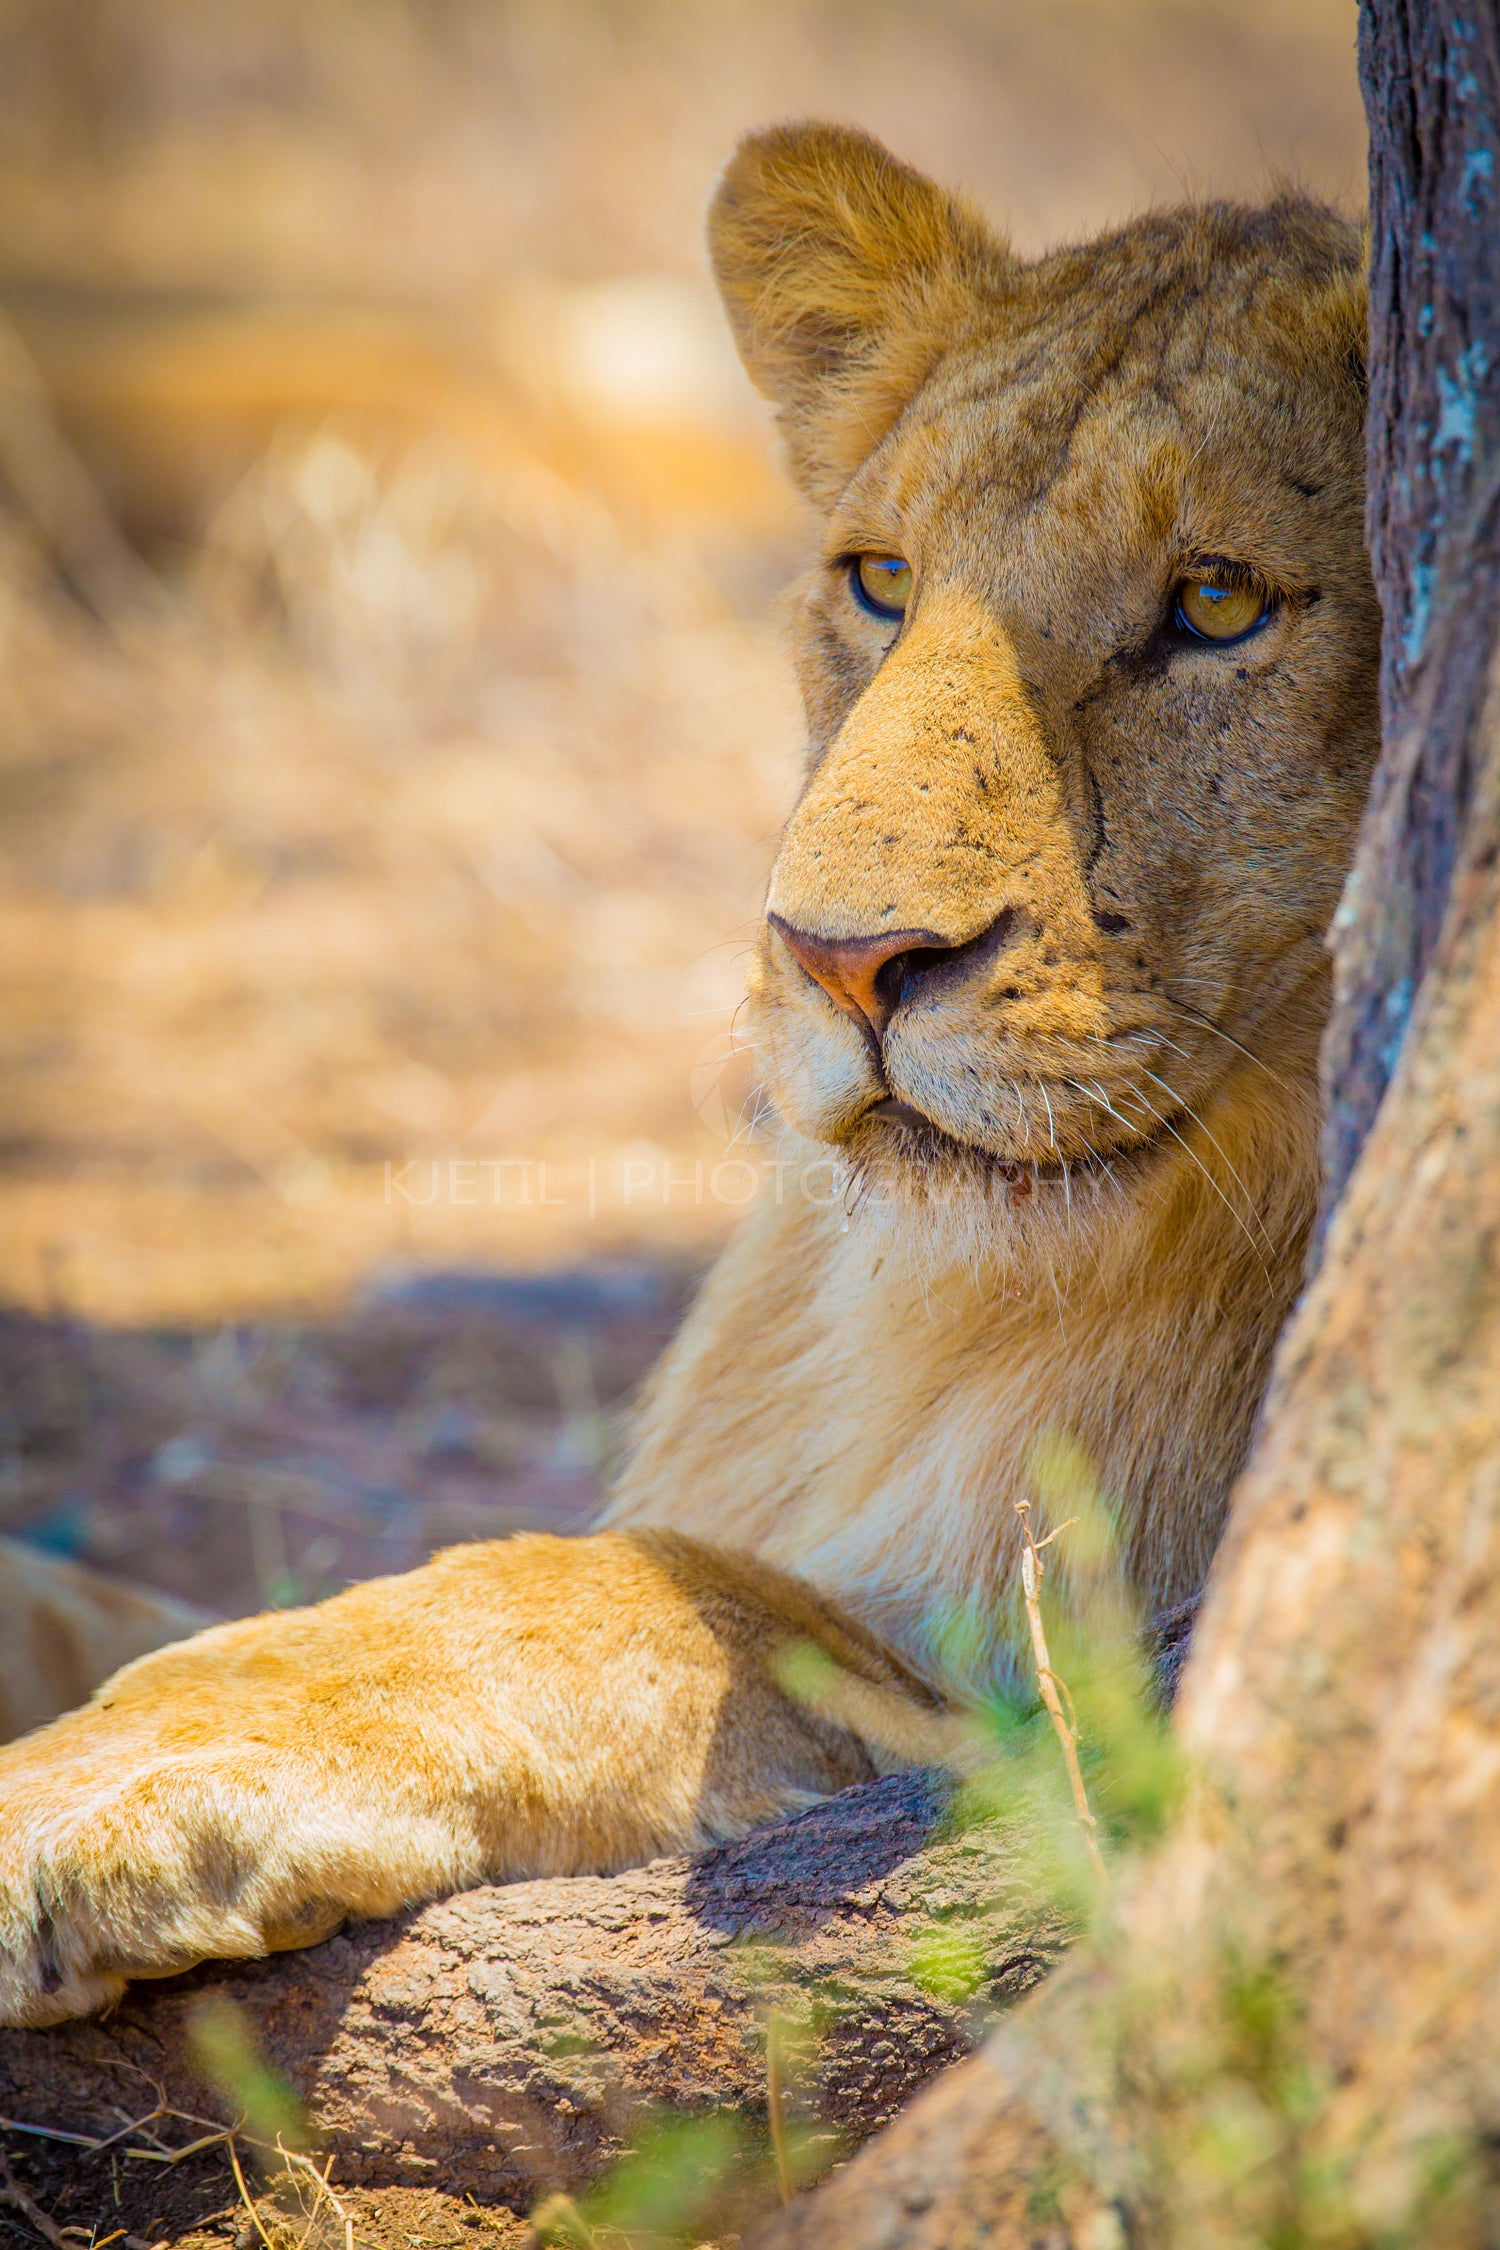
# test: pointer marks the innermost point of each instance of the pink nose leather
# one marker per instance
(847, 968)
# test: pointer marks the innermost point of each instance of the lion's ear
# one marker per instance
(845, 275)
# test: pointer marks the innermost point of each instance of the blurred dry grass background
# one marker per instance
(393, 732)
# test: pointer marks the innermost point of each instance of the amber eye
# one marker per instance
(882, 584)
(1220, 613)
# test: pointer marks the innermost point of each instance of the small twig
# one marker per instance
(1066, 1693)
(239, 2181)
(176, 2155)
(1032, 1572)
(191, 2117)
(322, 2186)
(776, 2110)
(12, 2192)
(143, 2125)
(49, 2133)
(163, 2106)
(132, 2125)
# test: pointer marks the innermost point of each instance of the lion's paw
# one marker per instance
(187, 1859)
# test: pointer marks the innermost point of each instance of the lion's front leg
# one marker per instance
(533, 1706)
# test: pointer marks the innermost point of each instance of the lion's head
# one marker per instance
(1089, 660)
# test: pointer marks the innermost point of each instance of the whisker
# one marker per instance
(1188, 1111)
(751, 1123)
(1096, 1093)
(1220, 1033)
(1161, 1039)
(1102, 1161)
(1168, 1127)
(1051, 1126)
(742, 1132)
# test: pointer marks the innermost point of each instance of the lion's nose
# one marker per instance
(859, 973)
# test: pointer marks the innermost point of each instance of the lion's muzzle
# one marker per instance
(931, 886)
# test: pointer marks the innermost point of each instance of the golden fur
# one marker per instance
(1071, 1141)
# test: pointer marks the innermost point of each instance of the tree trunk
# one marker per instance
(506, 2043)
(1431, 76)
(1291, 2033)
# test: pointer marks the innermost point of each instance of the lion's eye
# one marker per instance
(882, 584)
(1220, 613)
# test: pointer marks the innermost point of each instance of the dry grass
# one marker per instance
(425, 820)
(1053, 1687)
(415, 817)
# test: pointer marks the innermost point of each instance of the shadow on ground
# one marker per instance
(261, 1464)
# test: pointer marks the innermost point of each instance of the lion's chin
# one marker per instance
(904, 1148)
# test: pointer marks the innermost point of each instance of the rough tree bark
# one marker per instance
(1292, 2033)
(1430, 75)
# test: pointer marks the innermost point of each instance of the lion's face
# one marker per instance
(1088, 657)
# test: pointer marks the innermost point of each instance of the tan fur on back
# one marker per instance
(1073, 1149)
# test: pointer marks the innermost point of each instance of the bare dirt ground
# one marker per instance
(198, 2203)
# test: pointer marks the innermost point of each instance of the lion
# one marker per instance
(1088, 647)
